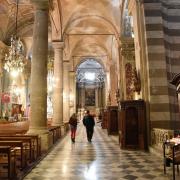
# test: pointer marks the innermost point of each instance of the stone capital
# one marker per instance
(127, 48)
(58, 44)
(41, 4)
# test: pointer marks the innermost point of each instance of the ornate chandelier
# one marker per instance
(15, 60)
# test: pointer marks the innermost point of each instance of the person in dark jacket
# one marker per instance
(73, 126)
(89, 123)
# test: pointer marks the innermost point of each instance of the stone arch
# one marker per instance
(104, 21)
(83, 59)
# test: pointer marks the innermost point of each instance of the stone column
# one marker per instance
(101, 97)
(97, 99)
(72, 86)
(58, 84)
(38, 87)
(66, 94)
(2, 55)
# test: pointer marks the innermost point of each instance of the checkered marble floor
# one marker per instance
(100, 160)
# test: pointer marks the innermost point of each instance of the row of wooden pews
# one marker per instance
(17, 153)
(7, 162)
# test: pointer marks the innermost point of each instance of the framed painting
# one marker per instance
(89, 97)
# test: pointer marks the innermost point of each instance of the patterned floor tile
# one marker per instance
(100, 160)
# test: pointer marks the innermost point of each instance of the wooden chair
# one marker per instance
(172, 157)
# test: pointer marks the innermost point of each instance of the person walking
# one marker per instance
(73, 126)
(89, 123)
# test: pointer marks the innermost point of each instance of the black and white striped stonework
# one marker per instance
(162, 24)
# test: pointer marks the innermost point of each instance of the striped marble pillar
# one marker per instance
(155, 25)
(164, 112)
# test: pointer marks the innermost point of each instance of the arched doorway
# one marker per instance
(90, 87)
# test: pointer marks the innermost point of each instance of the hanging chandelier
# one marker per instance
(15, 60)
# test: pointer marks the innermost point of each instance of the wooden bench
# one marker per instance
(33, 140)
(28, 144)
(18, 145)
(37, 142)
(7, 161)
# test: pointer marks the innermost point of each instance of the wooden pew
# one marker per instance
(7, 158)
(37, 140)
(33, 140)
(27, 141)
(17, 144)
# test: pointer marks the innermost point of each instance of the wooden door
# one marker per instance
(131, 128)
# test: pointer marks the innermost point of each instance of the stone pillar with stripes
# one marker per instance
(164, 111)
(157, 51)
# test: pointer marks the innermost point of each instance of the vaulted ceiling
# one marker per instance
(89, 28)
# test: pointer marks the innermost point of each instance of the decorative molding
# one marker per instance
(158, 136)
(127, 48)
(129, 73)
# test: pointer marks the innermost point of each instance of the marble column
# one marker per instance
(58, 84)
(72, 86)
(66, 94)
(38, 87)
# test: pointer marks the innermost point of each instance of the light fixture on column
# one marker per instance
(15, 60)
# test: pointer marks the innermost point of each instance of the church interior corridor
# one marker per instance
(118, 59)
(100, 160)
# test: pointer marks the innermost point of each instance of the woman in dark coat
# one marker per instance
(73, 126)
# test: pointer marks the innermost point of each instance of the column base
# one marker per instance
(46, 137)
